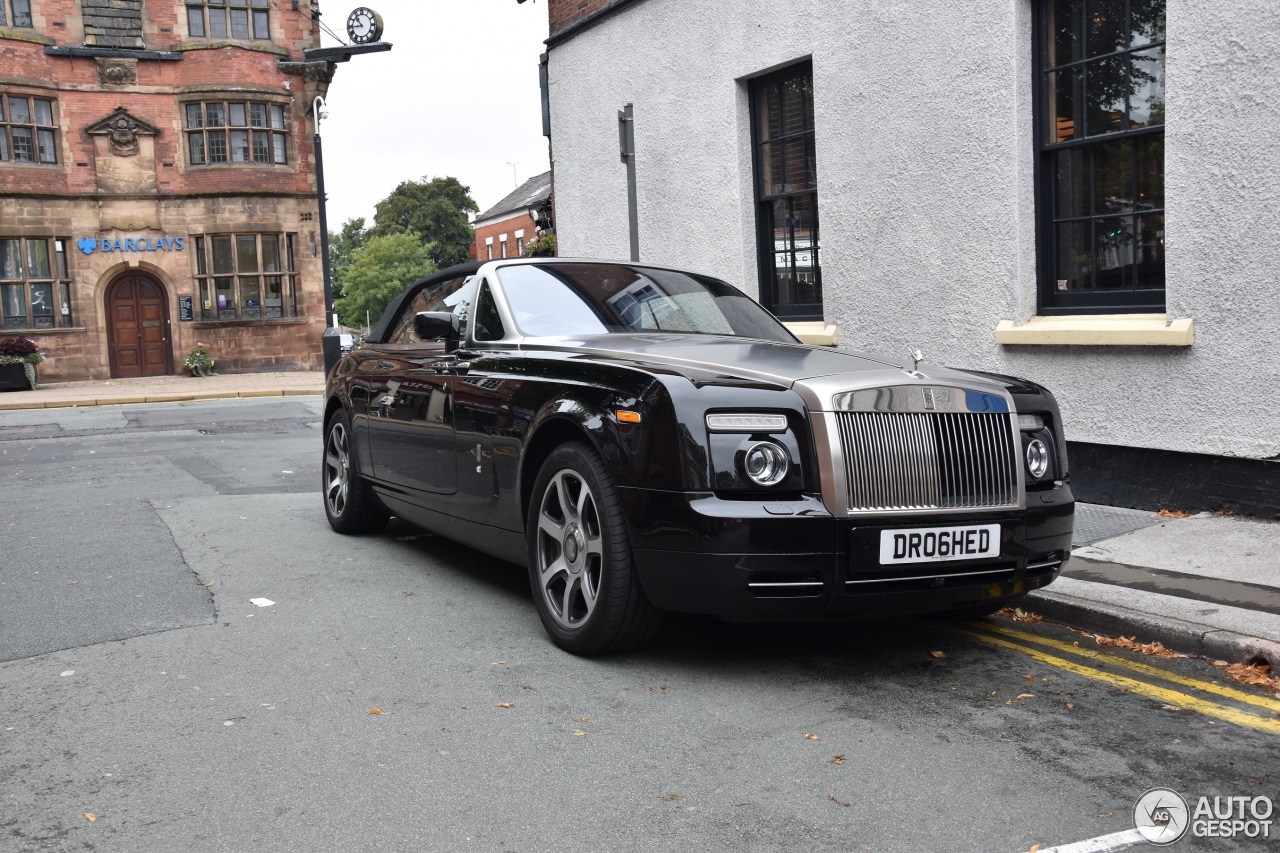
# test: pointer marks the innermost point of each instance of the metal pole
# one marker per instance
(330, 342)
(627, 146)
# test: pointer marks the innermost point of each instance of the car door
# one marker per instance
(410, 399)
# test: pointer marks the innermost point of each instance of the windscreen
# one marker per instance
(591, 299)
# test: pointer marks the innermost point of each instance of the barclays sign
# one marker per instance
(89, 245)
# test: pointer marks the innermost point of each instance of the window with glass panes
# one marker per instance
(15, 13)
(246, 276)
(235, 133)
(787, 192)
(35, 289)
(235, 19)
(27, 131)
(1100, 87)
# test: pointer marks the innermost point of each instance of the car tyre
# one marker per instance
(349, 501)
(581, 567)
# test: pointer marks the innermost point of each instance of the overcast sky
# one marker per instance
(456, 96)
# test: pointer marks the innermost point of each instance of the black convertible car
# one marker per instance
(645, 439)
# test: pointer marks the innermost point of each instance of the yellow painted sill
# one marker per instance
(815, 332)
(1131, 330)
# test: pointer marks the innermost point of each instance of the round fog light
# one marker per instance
(1037, 458)
(765, 463)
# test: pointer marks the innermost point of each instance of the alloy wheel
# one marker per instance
(337, 469)
(570, 550)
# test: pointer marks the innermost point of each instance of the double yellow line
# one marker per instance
(1192, 693)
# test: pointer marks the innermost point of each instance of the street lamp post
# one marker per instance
(331, 341)
(365, 28)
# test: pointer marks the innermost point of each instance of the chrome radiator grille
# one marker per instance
(930, 460)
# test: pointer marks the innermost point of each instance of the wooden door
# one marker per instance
(138, 327)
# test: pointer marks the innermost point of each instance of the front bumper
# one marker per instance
(751, 560)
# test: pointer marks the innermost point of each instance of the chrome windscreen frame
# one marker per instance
(893, 390)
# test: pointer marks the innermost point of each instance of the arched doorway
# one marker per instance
(138, 327)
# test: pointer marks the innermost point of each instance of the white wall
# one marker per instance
(925, 159)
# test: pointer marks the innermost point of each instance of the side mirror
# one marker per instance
(436, 325)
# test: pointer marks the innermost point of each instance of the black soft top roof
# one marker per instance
(384, 324)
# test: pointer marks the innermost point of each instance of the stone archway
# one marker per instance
(138, 326)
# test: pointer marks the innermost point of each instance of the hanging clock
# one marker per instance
(364, 25)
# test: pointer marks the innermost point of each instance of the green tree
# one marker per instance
(342, 249)
(378, 271)
(435, 209)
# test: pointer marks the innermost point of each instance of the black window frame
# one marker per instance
(43, 136)
(1052, 298)
(766, 246)
(16, 14)
(27, 282)
(247, 285)
(216, 19)
(221, 130)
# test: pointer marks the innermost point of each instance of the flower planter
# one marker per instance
(13, 377)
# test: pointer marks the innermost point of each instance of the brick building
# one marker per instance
(505, 229)
(157, 184)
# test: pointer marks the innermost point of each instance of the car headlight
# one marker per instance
(1037, 458)
(765, 463)
(746, 422)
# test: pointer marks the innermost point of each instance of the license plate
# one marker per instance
(939, 544)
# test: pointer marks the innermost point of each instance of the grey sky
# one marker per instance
(456, 95)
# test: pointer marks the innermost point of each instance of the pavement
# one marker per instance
(1206, 584)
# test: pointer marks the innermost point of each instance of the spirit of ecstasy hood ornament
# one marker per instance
(916, 358)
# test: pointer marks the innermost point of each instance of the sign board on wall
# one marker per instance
(185, 311)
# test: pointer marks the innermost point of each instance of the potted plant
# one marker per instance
(18, 360)
(198, 362)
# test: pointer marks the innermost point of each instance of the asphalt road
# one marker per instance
(139, 684)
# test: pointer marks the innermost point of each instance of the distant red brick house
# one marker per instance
(504, 230)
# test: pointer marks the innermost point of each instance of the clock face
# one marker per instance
(364, 25)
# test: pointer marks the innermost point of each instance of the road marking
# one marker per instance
(1142, 688)
(1101, 844)
(1146, 669)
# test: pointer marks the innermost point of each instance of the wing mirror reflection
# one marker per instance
(437, 325)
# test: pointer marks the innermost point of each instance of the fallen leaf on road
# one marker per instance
(210, 583)
(832, 797)
(1105, 814)
(375, 711)
(1219, 663)
(583, 719)
(244, 518)
(1029, 677)
(938, 655)
(579, 733)
(811, 737)
(1155, 649)
(1026, 695)
(91, 817)
(498, 663)
(659, 689)
(1017, 614)
(504, 705)
(1173, 513)
(839, 759)
(1257, 674)
(1070, 705)
(1034, 848)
